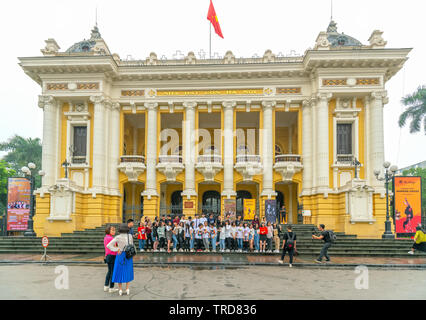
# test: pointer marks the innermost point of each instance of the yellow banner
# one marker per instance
(249, 209)
(161, 93)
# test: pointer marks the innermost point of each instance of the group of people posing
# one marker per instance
(207, 234)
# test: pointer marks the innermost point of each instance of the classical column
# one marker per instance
(114, 147)
(189, 149)
(322, 143)
(48, 104)
(307, 140)
(267, 150)
(99, 165)
(376, 138)
(228, 147)
(151, 152)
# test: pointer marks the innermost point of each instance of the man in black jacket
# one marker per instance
(289, 245)
(327, 243)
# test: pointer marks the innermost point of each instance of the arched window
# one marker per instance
(241, 195)
(176, 207)
(211, 203)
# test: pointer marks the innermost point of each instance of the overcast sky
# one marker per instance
(250, 27)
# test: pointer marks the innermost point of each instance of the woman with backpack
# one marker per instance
(289, 245)
(123, 267)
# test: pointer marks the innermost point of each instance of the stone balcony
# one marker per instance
(170, 166)
(209, 166)
(248, 166)
(288, 165)
(132, 166)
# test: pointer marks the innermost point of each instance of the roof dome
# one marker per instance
(86, 45)
(340, 39)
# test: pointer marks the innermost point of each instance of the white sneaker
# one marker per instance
(280, 261)
(174, 250)
(128, 292)
(290, 265)
(112, 290)
(120, 292)
(277, 251)
(410, 252)
(106, 288)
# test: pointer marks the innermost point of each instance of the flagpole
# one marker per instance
(210, 43)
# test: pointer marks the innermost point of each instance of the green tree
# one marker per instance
(419, 172)
(416, 111)
(5, 173)
(21, 151)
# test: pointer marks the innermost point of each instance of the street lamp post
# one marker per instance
(28, 171)
(389, 173)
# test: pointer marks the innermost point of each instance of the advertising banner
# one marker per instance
(230, 206)
(249, 209)
(271, 211)
(407, 204)
(18, 204)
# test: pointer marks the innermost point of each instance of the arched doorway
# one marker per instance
(211, 203)
(176, 203)
(241, 195)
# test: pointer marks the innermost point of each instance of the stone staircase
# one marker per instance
(90, 241)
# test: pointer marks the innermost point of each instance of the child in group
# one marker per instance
(246, 232)
(199, 237)
(276, 238)
(213, 235)
(269, 236)
(186, 246)
(154, 236)
(228, 236)
(175, 235)
(251, 237)
(240, 237)
(234, 237)
(206, 237)
(141, 237)
(161, 231)
(222, 238)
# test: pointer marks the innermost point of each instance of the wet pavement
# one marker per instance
(212, 259)
(82, 282)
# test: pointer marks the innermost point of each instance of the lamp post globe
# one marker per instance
(31, 165)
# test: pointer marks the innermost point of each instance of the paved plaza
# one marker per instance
(38, 281)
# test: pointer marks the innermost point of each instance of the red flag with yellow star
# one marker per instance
(212, 17)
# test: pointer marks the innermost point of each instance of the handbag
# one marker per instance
(129, 249)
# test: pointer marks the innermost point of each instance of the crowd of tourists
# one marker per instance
(207, 234)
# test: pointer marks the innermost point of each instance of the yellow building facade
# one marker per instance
(126, 139)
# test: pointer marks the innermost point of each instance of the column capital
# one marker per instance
(229, 104)
(151, 106)
(380, 95)
(306, 103)
(269, 104)
(44, 100)
(324, 96)
(190, 104)
(115, 106)
(97, 99)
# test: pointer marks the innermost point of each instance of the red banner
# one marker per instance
(408, 203)
(18, 204)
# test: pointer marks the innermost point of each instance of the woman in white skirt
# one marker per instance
(123, 267)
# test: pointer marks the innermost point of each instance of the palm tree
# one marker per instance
(416, 110)
(21, 151)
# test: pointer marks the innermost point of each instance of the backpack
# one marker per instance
(332, 237)
(290, 241)
(129, 249)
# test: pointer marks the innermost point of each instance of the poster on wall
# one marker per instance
(249, 209)
(271, 211)
(408, 203)
(230, 206)
(18, 204)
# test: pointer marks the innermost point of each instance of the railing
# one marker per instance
(78, 159)
(345, 158)
(288, 158)
(138, 159)
(170, 159)
(172, 210)
(248, 158)
(209, 158)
